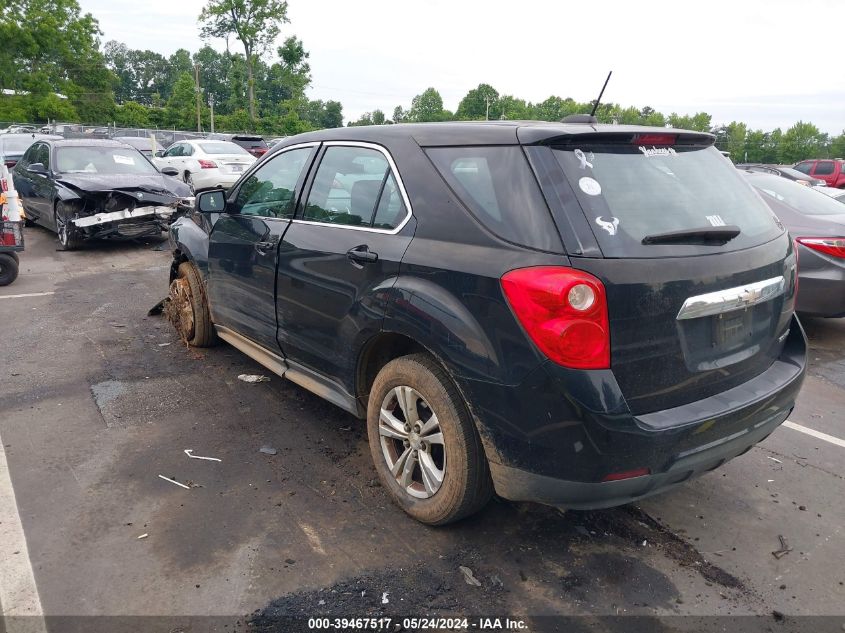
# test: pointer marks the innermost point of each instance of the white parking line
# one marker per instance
(812, 432)
(18, 591)
(29, 294)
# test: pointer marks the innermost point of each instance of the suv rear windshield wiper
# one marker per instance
(715, 235)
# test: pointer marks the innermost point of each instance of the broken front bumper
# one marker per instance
(162, 214)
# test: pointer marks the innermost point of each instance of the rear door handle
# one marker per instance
(362, 254)
(265, 247)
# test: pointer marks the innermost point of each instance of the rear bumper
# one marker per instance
(214, 179)
(521, 485)
(556, 437)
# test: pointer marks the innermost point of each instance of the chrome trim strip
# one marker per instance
(312, 381)
(399, 182)
(737, 298)
(271, 361)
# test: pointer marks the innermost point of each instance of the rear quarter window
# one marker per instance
(497, 187)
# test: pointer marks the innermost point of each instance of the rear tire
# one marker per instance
(444, 476)
(187, 308)
(8, 269)
(68, 235)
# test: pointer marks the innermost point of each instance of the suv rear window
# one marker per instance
(249, 143)
(497, 187)
(824, 168)
(628, 192)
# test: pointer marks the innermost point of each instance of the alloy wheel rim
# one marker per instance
(412, 442)
(61, 229)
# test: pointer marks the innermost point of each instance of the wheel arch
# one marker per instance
(190, 244)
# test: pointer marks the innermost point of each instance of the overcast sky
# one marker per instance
(769, 63)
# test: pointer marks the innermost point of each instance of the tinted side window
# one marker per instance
(28, 156)
(805, 167)
(391, 208)
(175, 150)
(270, 191)
(41, 155)
(498, 188)
(347, 186)
(187, 150)
(824, 168)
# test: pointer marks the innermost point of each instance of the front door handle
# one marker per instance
(362, 254)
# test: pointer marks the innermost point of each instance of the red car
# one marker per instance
(831, 171)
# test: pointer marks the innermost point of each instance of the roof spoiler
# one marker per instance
(580, 118)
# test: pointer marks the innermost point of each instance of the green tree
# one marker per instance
(399, 114)
(511, 108)
(802, 140)
(256, 23)
(837, 146)
(755, 141)
(427, 106)
(700, 121)
(181, 109)
(649, 116)
(131, 114)
(49, 47)
(479, 103)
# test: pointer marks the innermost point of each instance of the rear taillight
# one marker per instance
(833, 246)
(564, 311)
(654, 139)
(207, 164)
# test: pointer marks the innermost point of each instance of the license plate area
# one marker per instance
(235, 167)
(731, 328)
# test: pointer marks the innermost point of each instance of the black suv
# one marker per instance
(575, 314)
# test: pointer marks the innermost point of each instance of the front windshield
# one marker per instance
(222, 147)
(803, 199)
(102, 160)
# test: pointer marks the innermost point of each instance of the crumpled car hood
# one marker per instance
(140, 186)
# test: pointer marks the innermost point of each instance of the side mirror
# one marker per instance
(37, 168)
(159, 154)
(170, 171)
(211, 201)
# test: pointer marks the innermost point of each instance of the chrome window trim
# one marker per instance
(731, 299)
(394, 171)
(259, 164)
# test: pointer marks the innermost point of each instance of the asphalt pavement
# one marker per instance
(99, 403)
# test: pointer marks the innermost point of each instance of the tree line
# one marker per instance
(53, 59)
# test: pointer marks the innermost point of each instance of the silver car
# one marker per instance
(816, 223)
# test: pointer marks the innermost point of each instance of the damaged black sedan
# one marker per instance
(84, 189)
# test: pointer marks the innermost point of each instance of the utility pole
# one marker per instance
(199, 107)
(487, 115)
(211, 105)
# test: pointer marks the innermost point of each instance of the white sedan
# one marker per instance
(206, 164)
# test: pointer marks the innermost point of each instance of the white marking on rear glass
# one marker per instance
(609, 226)
(658, 151)
(583, 159)
(590, 186)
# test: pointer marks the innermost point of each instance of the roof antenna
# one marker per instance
(596, 105)
(589, 119)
